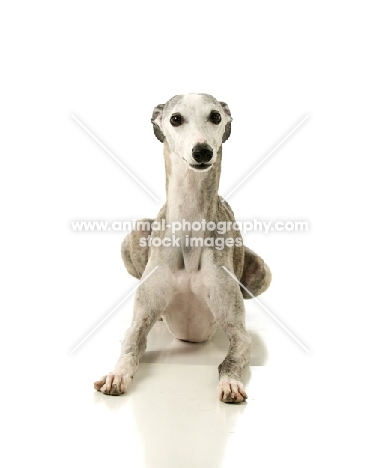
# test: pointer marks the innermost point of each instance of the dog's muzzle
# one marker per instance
(202, 154)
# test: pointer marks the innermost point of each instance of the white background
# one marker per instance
(110, 63)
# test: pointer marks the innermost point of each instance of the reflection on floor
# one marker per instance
(171, 417)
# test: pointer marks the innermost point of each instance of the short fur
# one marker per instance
(190, 290)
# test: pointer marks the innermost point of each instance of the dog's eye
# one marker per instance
(215, 117)
(176, 120)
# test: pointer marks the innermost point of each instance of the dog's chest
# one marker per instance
(188, 316)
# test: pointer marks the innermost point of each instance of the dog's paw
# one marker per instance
(113, 384)
(231, 391)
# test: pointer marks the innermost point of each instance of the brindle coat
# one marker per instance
(189, 288)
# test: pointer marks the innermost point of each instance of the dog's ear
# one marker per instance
(227, 132)
(156, 122)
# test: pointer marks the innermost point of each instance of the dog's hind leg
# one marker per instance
(133, 251)
(256, 276)
(152, 298)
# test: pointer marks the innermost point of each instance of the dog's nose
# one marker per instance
(202, 153)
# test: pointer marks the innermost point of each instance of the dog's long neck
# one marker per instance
(190, 196)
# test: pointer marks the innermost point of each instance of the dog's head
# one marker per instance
(194, 126)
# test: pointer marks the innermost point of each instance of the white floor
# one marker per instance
(172, 417)
(303, 410)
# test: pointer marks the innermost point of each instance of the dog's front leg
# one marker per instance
(151, 299)
(226, 303)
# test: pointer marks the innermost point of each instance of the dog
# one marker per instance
(190, 287)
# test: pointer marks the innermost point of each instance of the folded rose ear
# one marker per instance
(156, 122)
(227, 132)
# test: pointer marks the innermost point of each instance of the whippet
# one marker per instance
(190, 290)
